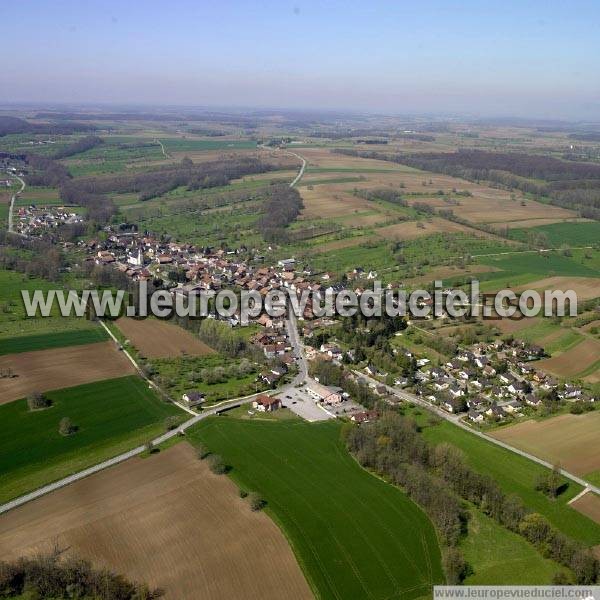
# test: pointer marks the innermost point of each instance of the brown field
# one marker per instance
(344, 243)
(585, 287)
(512, 325)
(571, 440)
(589, 505)
(58, 368)
(158, 339)
(572, 361)
(326, 201)
(408, 230)
(168, 521)
(591, 325)
(484, 206)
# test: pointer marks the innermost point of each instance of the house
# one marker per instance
(512, 407)
(476, 416)
(456, 391)
(193, 398)
(364, 416)
(518, 387)
(533, 400)
(453, 405)
(323, 394)
(266, 403)
(496, 411)
(489, 371)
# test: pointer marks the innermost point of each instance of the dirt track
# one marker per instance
(158, 339)
(168, 521)
(54, 369)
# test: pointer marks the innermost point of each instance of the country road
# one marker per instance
(165, 154)
(12, 205)
(456, 420)
(302, 168)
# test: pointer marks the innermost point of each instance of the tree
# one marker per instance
(257, 502)
(202, 451)
(66, 427)
(455, 566)
(216, 464)
(171, 422)
(37, 401)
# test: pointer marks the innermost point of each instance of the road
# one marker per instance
(12, 205)
(292, 329)
(162, 148)
(302, 168)
(456, 420)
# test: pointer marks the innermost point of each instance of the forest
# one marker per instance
(281, 207)
(11, 125)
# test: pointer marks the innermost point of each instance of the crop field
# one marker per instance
(566, 439)
(168, 521)
(40, 196)
(557, 234)
(54, 369)
(45, 341)
(354, 535)
(517, 475)
(589, 505)
(155, 338)
(576, 361)
(413, 229)
(585, 287)
(111, 416)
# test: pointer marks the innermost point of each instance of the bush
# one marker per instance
(455, 566)
(216, 464)
(171, 422)
(202, 451)
(37, 401)
(243, 493)
(66, 427)
(257, 502)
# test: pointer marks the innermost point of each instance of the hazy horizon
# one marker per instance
(463, 58)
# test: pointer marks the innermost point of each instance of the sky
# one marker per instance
(477, 58)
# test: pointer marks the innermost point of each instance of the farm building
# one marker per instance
(265, 403)
(323, 394)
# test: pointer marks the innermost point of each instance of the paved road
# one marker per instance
(456, 420)
(292, 329)
(122, 457)
(12, 205)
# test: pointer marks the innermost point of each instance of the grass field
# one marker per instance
(165, 520)
(112, 416)
(517, 475)
(28, 343)
(354, 535)
(498, 555)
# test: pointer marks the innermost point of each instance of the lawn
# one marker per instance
(60, 339)
(354, 535)
(517, 475)
(112, 416)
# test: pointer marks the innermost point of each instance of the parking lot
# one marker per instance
(299, 401)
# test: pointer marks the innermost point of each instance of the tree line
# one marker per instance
(52, 576)
(12, 125)
(439, 479)
(86, 143)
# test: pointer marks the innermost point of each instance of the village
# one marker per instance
(486, 384)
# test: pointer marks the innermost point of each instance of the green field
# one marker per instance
(499, 556)
(112, 416)
(354, 535)
(189, 145)
(60, 339)
(557, 234)
(517, 475)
